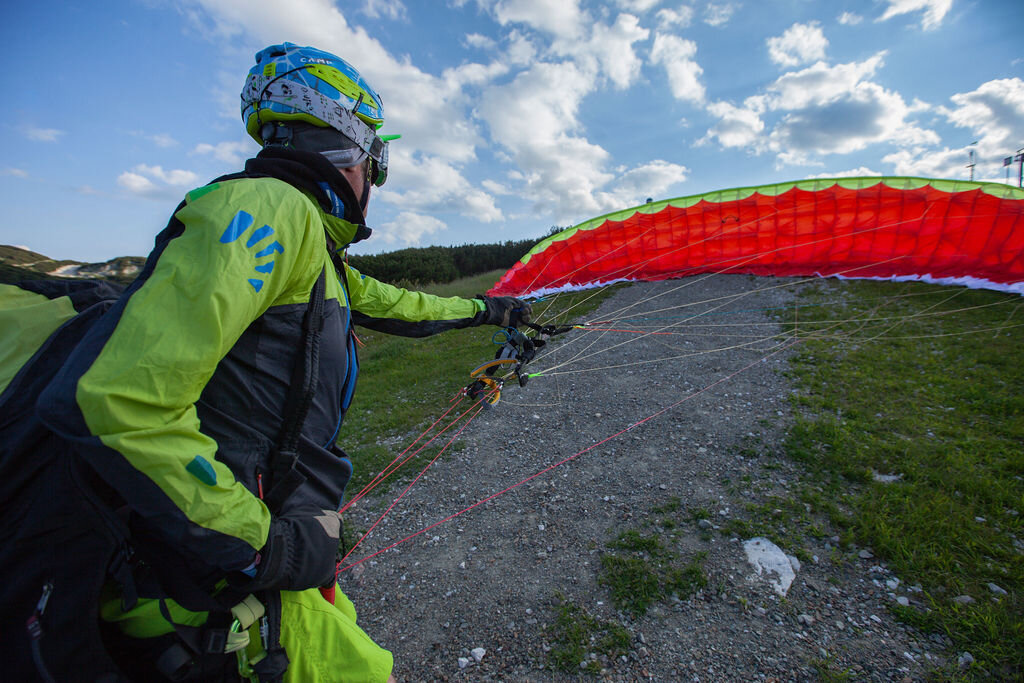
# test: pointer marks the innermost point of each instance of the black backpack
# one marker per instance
(65, 536)
(61, 537)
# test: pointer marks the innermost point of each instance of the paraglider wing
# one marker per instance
(913, 228)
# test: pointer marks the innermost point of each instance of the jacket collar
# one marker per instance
(314, 175)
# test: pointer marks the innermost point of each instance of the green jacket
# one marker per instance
(176, 395)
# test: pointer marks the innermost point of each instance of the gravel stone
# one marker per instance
(626, 440)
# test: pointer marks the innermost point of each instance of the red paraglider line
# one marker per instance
(393, 467)
(407, 488)
(560, 462)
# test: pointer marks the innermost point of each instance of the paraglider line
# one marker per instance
(407, 488)
(547, 469)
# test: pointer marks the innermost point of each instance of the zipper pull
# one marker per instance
(35, 629)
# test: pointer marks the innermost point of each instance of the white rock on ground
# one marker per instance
(767, 558)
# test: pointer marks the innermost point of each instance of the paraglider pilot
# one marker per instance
(209, 398)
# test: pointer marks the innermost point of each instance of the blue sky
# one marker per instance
(516, 115)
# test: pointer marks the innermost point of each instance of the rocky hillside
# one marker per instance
(17, 263)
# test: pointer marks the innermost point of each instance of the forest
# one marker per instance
(424, 265)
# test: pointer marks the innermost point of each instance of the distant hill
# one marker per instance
(21, 264)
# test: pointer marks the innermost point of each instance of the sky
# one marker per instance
(515, 115)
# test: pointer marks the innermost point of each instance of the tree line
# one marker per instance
(423, 265)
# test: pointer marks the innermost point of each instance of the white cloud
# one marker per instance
(473, 74)
(136, 184)
(850, 19)
(384, 9)
(681, 17)
(43, 134)
(993, 113)
(608, 49)
(653, 179)
(677, 56)
(408, 229)
(860, 172)
(736, 127)
(719, 14)
(478, 40)
(820, 110)
(821, 83)
(521, 50)
(153, 182)
(928, 163)
(429, 183)
(534, 117)
(593, 45)
(16, 172)
(177, 177)
(163, 140)
(865, 115)
(934, 10)
(556, 17)
(495, 187)
(232, 153)
(638, 6)
(799, 44)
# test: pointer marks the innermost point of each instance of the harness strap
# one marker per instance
(271, 661)
(178, 661)
(305, 378)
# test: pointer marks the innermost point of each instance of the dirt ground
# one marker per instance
(637, 422)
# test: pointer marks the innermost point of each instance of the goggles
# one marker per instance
(363, 139)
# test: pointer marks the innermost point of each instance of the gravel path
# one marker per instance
(475, 598)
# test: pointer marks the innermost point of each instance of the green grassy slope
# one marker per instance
(924, 383)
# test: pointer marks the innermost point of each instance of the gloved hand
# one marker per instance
(301, 552)
(505, 311)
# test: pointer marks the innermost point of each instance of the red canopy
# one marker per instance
(971, 233)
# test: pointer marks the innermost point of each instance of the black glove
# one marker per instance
(505, 311)
(301, 552)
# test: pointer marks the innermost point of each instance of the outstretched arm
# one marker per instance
(394, 310)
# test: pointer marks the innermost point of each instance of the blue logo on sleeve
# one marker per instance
(201, 469)
(237, 227)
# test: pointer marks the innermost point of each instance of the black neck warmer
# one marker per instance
(311, 172)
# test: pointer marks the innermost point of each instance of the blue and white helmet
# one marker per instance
(292, 84)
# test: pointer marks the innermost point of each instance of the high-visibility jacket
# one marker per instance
(177, 393)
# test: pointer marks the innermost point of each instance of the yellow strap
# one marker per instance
(497, 362)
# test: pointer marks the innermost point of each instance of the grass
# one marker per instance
(638, 570)
(641, 571)
(827, 671)
(577, 634)
(926, 384)
(405, 383)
